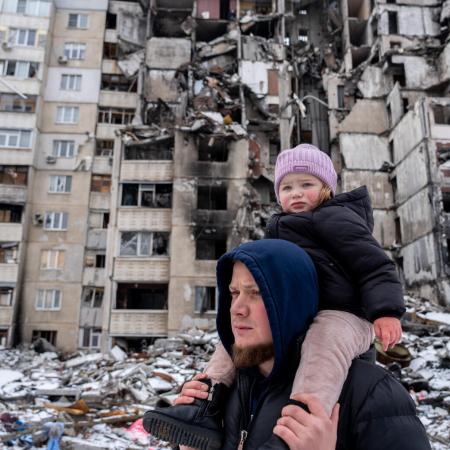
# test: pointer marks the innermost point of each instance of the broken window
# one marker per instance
(118, 83)
(161, 150)
(101, 183)
(115, 116)
(16, 175)
(48, 335)
(90, 337)
(93, 297)
(210, 245)
(441, 114)
(8, 252)
(393, 24)
(212, 197)
(10, 213)
(142, 296)
(105, 220)
(6, 295)
(205, 299)
(15, 103)
(100, 261)
(144, 243)
(211, 148)
(398, 74)
(104, 147)
(147, 195)
(110, 50)
(111, 21)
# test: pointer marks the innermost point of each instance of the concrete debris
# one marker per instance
(91, 397)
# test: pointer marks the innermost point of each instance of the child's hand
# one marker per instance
(388, 330)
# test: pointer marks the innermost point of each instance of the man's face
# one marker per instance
(249, 321)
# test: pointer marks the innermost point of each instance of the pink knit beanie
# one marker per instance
(305, 158)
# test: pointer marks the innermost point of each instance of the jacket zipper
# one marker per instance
(210, 393)
(244, 435)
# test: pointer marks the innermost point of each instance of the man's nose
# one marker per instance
(239, 306)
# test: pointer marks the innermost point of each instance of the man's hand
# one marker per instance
(308, 431)
(388, 330)
(193, 389)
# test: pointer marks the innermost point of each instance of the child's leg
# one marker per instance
(220, 367)
(333, 340)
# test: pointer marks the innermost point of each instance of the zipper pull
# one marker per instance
(242, 441)
(210, 393)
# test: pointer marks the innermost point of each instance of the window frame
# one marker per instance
(17, 134)
(60, 184)
(62, 113)
(140, 244)
(92, 297)
(16, 34)
(42, 297)
(75, 50)
(70, 82)
(198, 310)
(78, 25)
(52, 259)
(58, 146)
(59, 218)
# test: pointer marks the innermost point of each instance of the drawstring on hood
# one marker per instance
(290, 306)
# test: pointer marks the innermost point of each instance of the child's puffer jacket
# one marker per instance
(355, 274)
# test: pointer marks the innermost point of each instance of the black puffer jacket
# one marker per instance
(355, 274)
(376, 413)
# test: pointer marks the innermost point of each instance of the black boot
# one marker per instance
(197, 425)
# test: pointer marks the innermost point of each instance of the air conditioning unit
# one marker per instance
(6, 45)
(63, 59)
(50, 159)
(38, 219)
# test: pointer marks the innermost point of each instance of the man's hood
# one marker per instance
(287, 280)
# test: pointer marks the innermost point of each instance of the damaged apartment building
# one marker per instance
(138, 142)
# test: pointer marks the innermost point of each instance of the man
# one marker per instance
(267, 298)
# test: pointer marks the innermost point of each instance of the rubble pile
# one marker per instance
(93, 398)
(96, 401)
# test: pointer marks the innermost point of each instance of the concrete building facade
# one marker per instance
(148, 136)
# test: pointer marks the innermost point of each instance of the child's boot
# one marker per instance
(197, 425)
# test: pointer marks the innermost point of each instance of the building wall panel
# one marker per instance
(93, 276)
(138, 322)
(363, 151)
(8, 273)
(127, 269)
(146, 171)
(6, 314)
(144, 219)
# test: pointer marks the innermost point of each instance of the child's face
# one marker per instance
(299, 192)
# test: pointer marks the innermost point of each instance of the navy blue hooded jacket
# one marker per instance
(290, 306)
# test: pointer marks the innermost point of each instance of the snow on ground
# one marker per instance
(98, 399)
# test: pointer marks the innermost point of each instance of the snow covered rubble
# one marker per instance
(100, 398)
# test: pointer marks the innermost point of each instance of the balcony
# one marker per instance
(138, 322)
(11, 231)
(6, 314)
(13, 194)
(110, 35)
(102, 165)
(106, 130)
(8, 273)
(96, 239)
(144, 219)
(146, 171)
(141, 269)
(118, 99)
(99, 200)
(93, 276)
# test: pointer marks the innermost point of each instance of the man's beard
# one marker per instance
(251, 356)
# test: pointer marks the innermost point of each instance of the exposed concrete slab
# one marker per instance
(374, 83)
(167, 53)
(367, 116)
(363, 151)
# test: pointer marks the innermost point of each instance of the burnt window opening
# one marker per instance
(105, 220)
(441, 114)
(212, 197)
(147, 195)
(303, 36)
(446, 200)
(341, 96)
(392, 22)
(405, 105)
(212, 149)
(111, 21)
(263, 28)
(10, 213)
(142, 296)
(8, 252)
(48, 335)
(16, 175)
(110, 50)
(169, 23)
(92, 297)
(118, 83)
(144, 243)
(398, 231)
(205, 299)
(101, 183)
(274, 150)
(207, 30)
(210, 246)
(156, 151)
(100, 261)
(398, 74)
(104, 147)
